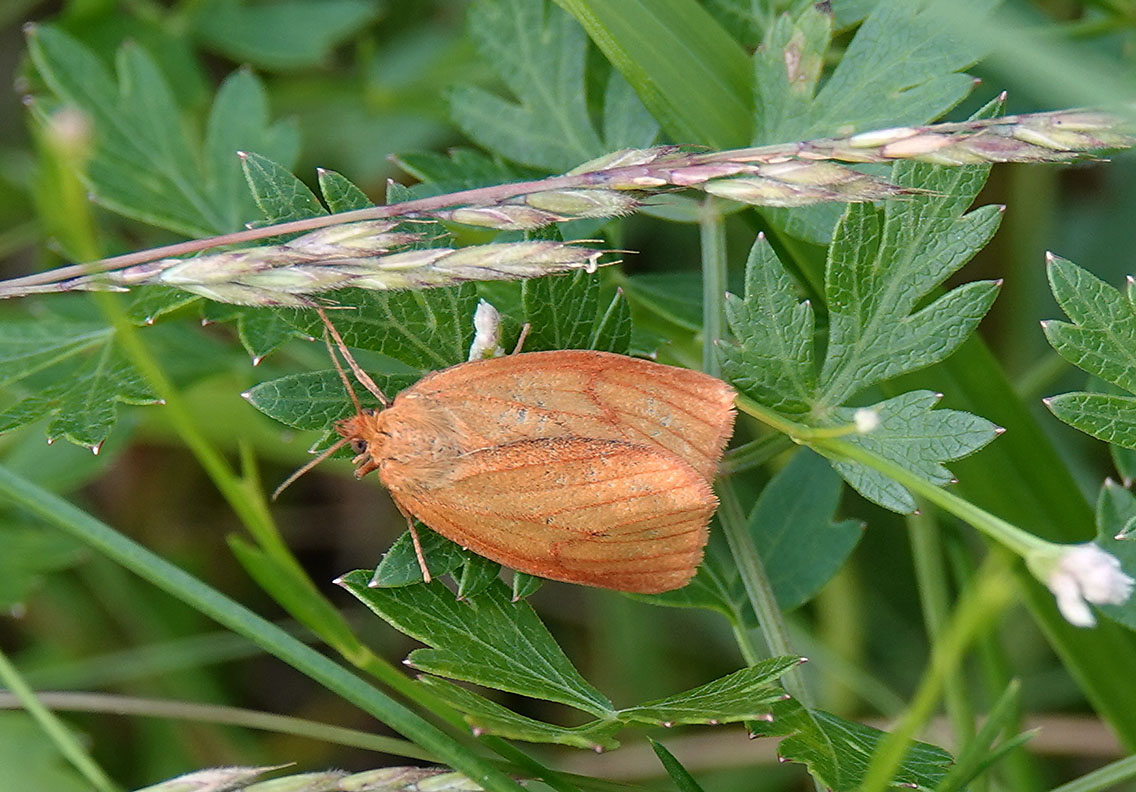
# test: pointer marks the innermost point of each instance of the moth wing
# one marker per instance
(604, 513)
(580, 393)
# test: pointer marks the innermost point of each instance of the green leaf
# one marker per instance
(747, 694)
(1105, 417)
(540, 53)
(147, 303)
(399, 565)
(426, 330)
(314, 399)
(83, 397)
(800, 545)
(30, 552)
(1101, 339)
(716, 587)
(488, 640)
(341, 194)
(487, 717)
(679, 774)
(692, 76)
(239, 121)
(460, 169)
(562, 313)
(881, 264)
(772, 358)
(525, 585)
(285, 34)
(278, 193)
(675, 296)
(837, 751)
(919, 438)
(613, 328)
(30, 346)
(899, 69)
(144, 165)
(478, 574)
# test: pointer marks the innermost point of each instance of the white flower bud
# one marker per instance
(486, 332)
(865, 420)
(1084, 575)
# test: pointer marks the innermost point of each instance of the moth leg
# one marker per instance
(521, 339)
(417, 544)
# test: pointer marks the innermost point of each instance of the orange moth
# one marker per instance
(581, 466)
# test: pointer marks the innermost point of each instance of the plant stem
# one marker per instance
(1020, 542)
(934, 598)
(757, 588)
(1107, 777)
(232, 716)
(54, 728)
(239, 619)
(712, 227)
(992, 591)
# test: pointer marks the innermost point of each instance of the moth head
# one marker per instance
(363, 433)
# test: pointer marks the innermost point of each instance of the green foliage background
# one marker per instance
(521, 89)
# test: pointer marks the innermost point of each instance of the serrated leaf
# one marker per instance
(287, 34)
(279, 194)
(1103, 416)
(1103, 339)
(525, 585)
(539, 51)
(87, 409)
(837, 751)
(30, 552)
(426, 330)
(487, 717)
(460, 169)
(30, 346)
(882, 263)
(478, 574)
(399, 565)
(314, 399)
(613, 328)
(262, 331)
(144, 165)
(340, 193)
(488, 640)
(914, 435)
(772, 359)
(562, 313)
(239, 121)
(746, 694)
(792, 526)
(900, 68)
(147, 303)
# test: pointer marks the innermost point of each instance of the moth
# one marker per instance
(574, 465)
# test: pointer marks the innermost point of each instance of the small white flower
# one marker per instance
(866, 420)
(1084, 575)
(486, 332)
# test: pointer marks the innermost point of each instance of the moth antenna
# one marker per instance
(288, 481)
(342, 374)
(363, 377)
(418, 549)
(521, 339)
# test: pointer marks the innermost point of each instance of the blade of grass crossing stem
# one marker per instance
(239, 619)
(54, 728)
